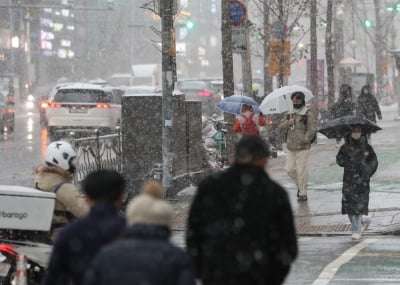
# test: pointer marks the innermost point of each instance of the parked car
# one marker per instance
(218, 85)
(82, 108)
(203, 91)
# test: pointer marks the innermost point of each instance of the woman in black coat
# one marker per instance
(360, 163)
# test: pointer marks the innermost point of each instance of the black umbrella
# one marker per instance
(340, 127)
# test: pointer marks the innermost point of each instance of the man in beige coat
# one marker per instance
(300, 128)
(56, 176)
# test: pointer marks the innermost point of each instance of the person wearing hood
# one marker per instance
(300, 127)
(143, 254)
(56, 176)
(367, 106)
(344, 105)
(360, 163)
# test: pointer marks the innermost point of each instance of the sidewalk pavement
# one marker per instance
(321, 214)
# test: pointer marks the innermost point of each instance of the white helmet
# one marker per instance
(61, 154)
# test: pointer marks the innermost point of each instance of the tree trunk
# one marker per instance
(267, 37)
(338, 43)
(168, 70)
(227, 68)
(246, 59)
(282, 45)
(379, 49)
(330, 65)
(314, 55)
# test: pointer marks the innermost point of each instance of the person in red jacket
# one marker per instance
(248, 123)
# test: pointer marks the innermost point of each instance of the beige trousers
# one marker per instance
(297, 168)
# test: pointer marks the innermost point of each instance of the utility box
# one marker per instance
(24, 208)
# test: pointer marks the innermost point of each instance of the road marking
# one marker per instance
(305, 238)
(330, 270)
(369, 279)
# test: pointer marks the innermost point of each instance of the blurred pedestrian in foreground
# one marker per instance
(360, 163)
(78, 242)
(300, 128)
(367, 106)
(344, 105)
(143, 255)
(240, 225)
(248, 123)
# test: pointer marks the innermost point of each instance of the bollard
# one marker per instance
(21, 274)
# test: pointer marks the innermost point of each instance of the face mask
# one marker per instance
(356, 136)
(297, 106)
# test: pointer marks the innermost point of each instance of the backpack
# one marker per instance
(67, 214)
(304, 120)
(249, 127)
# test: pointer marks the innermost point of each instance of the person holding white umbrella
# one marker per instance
(300, 128)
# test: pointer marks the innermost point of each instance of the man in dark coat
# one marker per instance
(77, 243)
(360, 163)
(367, 106)
(240, 226)
(143, 254)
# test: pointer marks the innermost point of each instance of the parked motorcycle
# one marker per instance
(25, 230)
(214, 141)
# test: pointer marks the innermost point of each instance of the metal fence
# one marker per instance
(97, 152)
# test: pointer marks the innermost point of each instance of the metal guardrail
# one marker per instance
(97, 152)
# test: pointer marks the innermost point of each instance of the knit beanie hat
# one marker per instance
(148, 208)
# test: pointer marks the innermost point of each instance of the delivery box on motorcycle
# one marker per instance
(24, 208)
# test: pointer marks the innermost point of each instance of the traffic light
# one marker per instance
(368, 23)
(110, 4)
(256, 37)
(189, 24)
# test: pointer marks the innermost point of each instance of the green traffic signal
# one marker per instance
(368, 23)
(110, 4)
(189, 25)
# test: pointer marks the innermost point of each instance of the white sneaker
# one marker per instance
(356, 236)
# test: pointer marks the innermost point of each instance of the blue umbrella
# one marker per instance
(233, 104)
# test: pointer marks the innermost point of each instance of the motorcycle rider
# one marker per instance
(56, 176)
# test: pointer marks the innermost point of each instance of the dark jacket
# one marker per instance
(142, 256)
(240, 228)
(79, 242)
(360, 163)
(343, 107)
(367, 106)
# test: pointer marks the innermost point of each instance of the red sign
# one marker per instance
(238, 13)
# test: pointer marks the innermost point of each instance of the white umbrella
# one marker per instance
(349, 61)
(278, 101)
